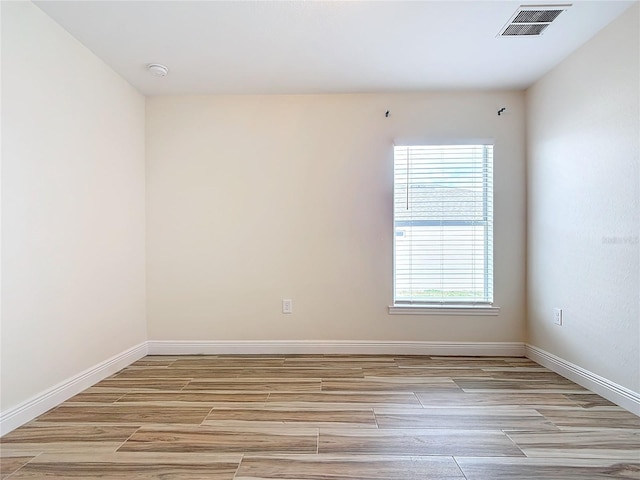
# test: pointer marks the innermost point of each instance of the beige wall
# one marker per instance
(254, 198)
(584, 212)
(72, 207)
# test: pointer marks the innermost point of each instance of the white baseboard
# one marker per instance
(14, 417)
(618, 394)
(249, 347)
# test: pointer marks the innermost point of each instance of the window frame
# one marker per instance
(439, 307)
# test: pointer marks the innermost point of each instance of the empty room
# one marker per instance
(250, 240)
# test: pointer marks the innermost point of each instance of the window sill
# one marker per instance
(458, 310)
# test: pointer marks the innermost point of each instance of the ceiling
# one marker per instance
(264, 47)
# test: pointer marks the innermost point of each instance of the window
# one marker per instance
(443, 220)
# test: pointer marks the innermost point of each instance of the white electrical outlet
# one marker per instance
(557, 316)
(287, 305)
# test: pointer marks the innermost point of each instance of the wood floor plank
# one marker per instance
(366, 399)
(461, 398)
(451, 362)
(37, 432)
(491, 384)
(59, 448)
(463, 419)
(580, 417)
(528, 376)
(256, 385)
(457, 358)
(164, 373)
(151, 362)
(341, 356)
(417, 442)
(222, 440)
(301, 372)
(424, 372)
(96, 397)
(511, 368)
(310, 418)
(203, 361)
(191, 397)
(235, 372)
(547, 468)
(605, 443)
(128, 413)
(589, 400)
(365, 358)
(38, 437)
(126, 466)
(9, 465)
(389, 384)
(336, 467)
(135, 384)
(164, 358)
(328, 362)
(521, 361)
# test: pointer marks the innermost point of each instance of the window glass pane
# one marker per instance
(443, 218)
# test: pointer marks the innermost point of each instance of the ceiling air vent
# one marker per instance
(531, 20)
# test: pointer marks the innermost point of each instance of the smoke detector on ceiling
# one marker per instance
(157, 69)
(531, 20)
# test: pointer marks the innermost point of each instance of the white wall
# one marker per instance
(73, 207)
(584, 214)
(254, 198)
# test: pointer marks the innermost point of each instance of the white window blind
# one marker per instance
(443, 218)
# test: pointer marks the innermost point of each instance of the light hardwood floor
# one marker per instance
(345, 417)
